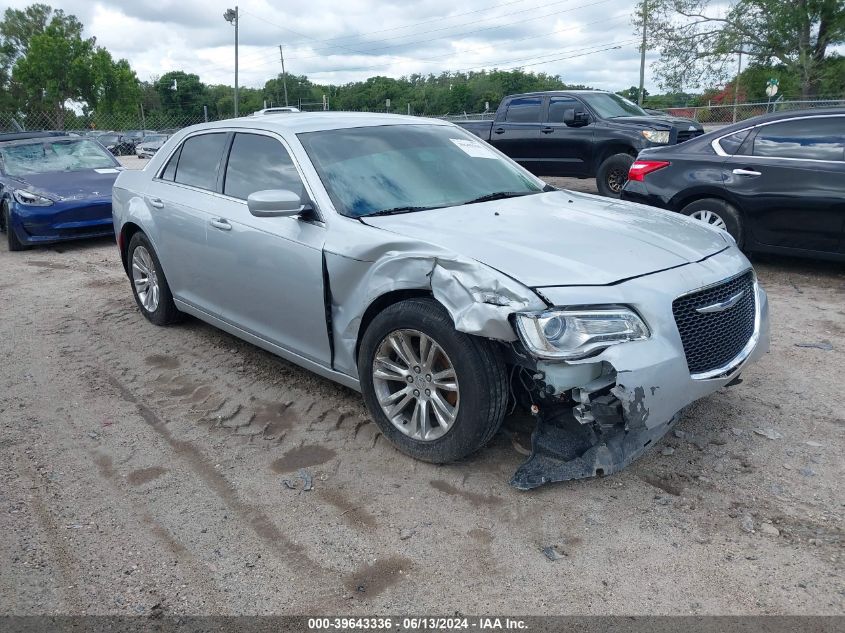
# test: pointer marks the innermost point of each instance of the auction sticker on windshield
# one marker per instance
(476, 150)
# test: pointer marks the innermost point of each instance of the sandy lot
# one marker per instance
(142, 468)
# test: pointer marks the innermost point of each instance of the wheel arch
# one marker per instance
(612, 149)
(383, 302)
(126, 232)
(683, 198)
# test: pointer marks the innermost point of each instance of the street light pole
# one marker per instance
(642, 58)
(231, 15)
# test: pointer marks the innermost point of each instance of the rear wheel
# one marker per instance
(11, 238)
(718, 213)
(437, 394)
(613, 174)
(149, 285)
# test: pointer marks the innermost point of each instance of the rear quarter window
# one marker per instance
(199, 160)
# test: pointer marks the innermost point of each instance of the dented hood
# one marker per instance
(562, 237)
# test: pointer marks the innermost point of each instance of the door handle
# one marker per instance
(547, 130)
(746, 172)
(221, 224)
(499, 130)
(156, 202)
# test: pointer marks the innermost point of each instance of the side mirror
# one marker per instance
(575, 118)
(274, 203)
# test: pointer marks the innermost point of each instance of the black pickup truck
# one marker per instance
(582, 133)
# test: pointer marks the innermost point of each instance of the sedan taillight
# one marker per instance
(640, 168)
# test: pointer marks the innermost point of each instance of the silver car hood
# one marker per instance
(562, 237)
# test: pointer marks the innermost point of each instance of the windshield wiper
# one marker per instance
(398, 210)
(500, 195)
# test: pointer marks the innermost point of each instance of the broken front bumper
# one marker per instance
(639, 388)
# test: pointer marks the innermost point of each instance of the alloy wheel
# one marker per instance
(145, 279)
(616, 179)
(416, 384)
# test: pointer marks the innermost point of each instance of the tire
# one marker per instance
(11, 238)
(154, 298)
(613, 174)
(478, 402)
(718, 213)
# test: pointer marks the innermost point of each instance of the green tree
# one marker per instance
(699, 40)
(56, 68)
(632, 93)
(115, 87)
(182, 96)
(17, 28)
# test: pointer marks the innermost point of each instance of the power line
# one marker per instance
(449, 35)
(495, 64)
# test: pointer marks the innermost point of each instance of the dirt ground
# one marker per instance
(142, 469)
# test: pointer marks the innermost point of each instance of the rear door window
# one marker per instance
(524, 110)
(258, 162)
(814, 138)
(200, 159)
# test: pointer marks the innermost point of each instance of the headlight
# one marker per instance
(31, 199)
(657, 136)
(574, 334)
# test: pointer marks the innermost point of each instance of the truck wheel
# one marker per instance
(437, 394)
(613, 174)
(718, 213)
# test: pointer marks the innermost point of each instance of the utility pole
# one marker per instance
(642, 58)
(231, 15)
(284, 74)
(736, 81)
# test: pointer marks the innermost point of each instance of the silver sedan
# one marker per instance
(405, 258)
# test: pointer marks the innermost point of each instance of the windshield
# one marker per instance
(154, 138)
(399, 168)
(51, 156)
(609, 105)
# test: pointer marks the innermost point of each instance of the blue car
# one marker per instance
(54, 188)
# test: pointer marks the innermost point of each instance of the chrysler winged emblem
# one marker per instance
(721, 306)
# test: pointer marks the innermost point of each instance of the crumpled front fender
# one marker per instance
(479, 299)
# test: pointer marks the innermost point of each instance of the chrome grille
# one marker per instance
(712, 339)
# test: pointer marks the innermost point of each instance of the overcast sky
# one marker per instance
(337, 41)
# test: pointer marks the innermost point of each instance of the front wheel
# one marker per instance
(11, 238)
(717, 213)
(613, 174)
(149, 285)
(437, 394)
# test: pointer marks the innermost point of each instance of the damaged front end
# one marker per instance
(602, 367)
(592, 430)
(598, 412)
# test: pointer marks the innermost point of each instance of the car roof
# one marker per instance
(540, 93)
(26, 140)
(20, 136)
(316, 121)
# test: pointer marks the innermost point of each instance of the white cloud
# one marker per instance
(339, 42)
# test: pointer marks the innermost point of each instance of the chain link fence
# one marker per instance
(158, 122)
(730, 113)
(709, 116)
(96, 124)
